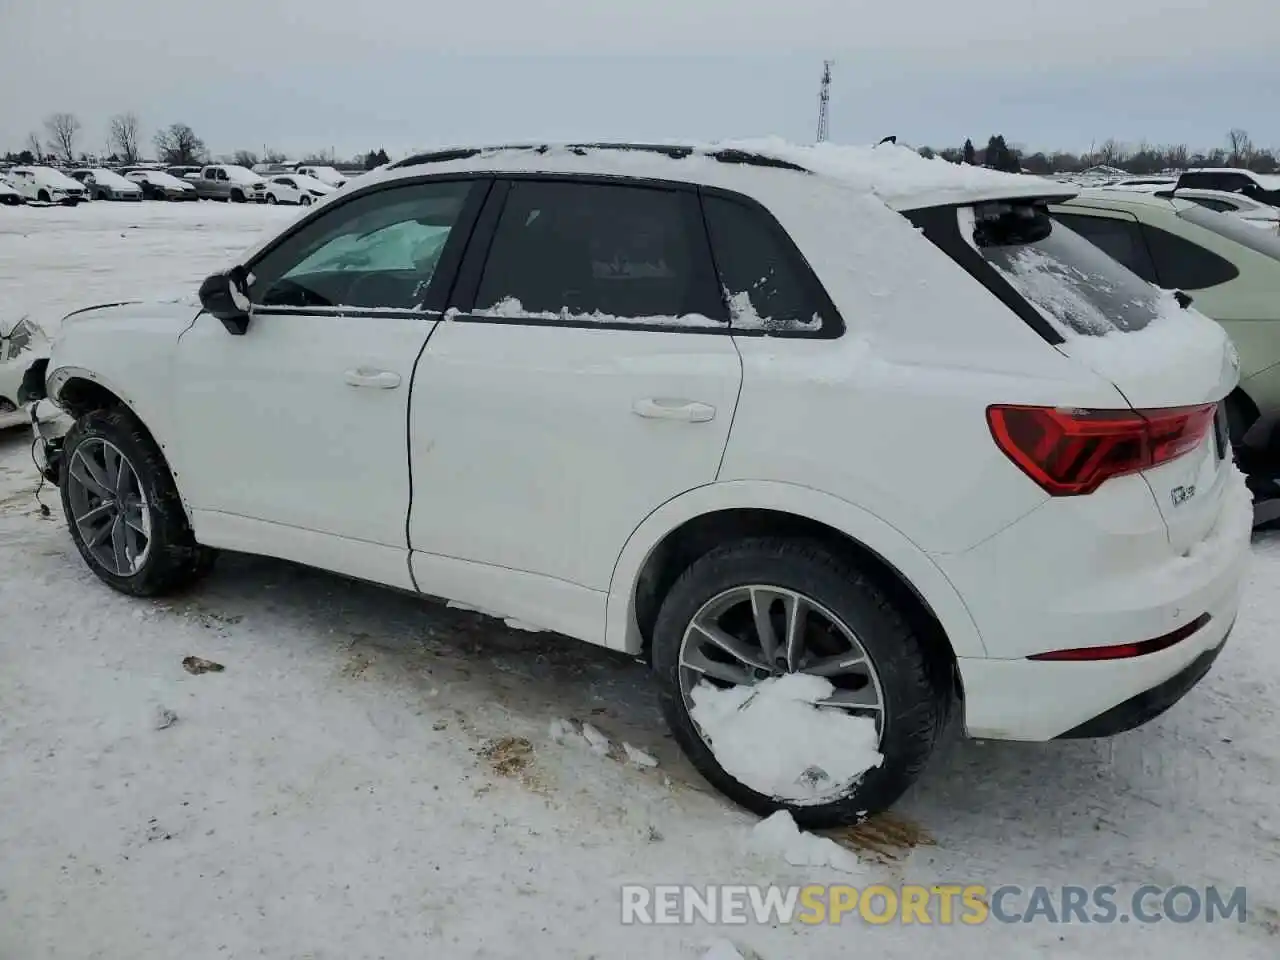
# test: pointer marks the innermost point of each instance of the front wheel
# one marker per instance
(43, 196)
(305, 201)
(271, 199)
(858, 681)
(237, 196)
(123, 509)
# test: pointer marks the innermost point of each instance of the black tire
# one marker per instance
(271, 199)
(43, 196)
(916, 702)
(305, 201)
(175, 559)
(237, 196)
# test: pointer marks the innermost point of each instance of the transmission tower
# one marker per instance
(824, 99)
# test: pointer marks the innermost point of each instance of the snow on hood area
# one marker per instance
(772, 738)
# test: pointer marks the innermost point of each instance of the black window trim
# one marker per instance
(462, 302)
(1148, 229)
(446, 272)
(941, 224)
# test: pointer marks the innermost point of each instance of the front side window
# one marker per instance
(379, 250)
(766, 282)
(1082, 290)
(599, 252)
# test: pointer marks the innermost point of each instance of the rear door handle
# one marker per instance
(658, 408)
(364, 377)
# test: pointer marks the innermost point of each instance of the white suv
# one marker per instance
(757, 413)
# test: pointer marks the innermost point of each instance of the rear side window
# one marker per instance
(1183, 265)
(595, 252)
(1120, 239)
(1078, 287)
(1213, 203)
(1258, 240)
(766, 282)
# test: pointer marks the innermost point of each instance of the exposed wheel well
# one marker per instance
(79, 396)
(686, 543)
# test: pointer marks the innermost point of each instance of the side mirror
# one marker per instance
(226, 296)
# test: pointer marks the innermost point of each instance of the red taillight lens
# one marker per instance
(1070, 452)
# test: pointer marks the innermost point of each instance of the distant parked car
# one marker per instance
(107, 184)
(158, 185)
(229, 181)
(184, 172)
(1253, 212)
(1230, 269)
(46, 185)
(10, 195)
(1262, 187)
(296, 188)
(268, 169)
(334, 178)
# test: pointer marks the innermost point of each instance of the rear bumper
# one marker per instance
(1146, 706)
(1043, 596)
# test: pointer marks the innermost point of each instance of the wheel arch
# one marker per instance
(675, 534)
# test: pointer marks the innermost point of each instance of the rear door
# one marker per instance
(585, 376)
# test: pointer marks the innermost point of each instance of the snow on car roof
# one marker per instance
(899, 176)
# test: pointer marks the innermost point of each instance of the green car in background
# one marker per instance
(1230, 269)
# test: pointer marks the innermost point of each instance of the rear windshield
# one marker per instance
(1258, 239)
(1080, 289)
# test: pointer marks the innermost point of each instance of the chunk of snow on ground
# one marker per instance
(778, 836)
(599, 742)
(562, 731)
(515, 624)
(638, 757)
(773, 739)
(721, 949)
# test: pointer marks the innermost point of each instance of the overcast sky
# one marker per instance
(301, 75)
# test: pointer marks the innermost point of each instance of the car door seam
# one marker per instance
(728, 436)
(408, 446)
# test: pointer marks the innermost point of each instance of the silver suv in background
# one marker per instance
(228, 181)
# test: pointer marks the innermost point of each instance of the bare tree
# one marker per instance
(63, 129)
(320, 158)
(178, 144)
(245, 158)
(35, 146)
(122, 136)
(1176, 156)
(1112, 153)
(1241, 148)
(273, 156)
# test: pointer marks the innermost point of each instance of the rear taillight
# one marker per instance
(1070, 452)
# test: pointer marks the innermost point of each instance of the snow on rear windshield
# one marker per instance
(1079, 289)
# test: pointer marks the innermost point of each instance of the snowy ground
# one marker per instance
(343, 790)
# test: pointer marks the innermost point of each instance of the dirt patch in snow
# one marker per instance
(884, 837)
(509, 756)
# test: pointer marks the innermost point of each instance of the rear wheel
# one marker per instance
(123, 509)
(763, 608)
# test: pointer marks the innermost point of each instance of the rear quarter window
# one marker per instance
(1183, 265)
(1233, 228)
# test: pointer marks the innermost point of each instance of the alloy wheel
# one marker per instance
(108, 507)
(751, 633)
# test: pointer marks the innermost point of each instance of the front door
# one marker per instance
(587, 377)
(292, 436)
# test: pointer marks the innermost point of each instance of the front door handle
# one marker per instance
(658, 408)
(364, 377)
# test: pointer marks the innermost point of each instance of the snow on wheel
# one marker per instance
(792, 682)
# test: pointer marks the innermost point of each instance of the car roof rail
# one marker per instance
(674, 151)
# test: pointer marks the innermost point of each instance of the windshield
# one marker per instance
(1234, 228)
(1077, 287)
